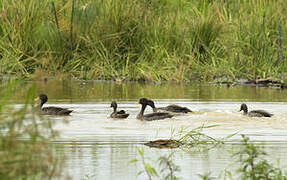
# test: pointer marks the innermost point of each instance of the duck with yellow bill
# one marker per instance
(51, 110)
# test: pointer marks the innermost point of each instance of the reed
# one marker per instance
(175, 40)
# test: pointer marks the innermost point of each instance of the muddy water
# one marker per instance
(98, 147)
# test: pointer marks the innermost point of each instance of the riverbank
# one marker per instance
(144, 40)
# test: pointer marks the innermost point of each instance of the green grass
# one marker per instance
(174, 40)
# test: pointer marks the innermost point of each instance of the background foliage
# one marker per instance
(178, 40)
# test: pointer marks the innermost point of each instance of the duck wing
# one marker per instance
(176, 109)
(120, 116)
(55, 111)
(259, 113)
(156, 116)
(121, 112)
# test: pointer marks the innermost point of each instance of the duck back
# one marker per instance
(259, 113)
(55, 111)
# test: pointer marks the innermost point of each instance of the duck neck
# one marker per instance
(140, 115)
(115, 109)
(151, 104)
(42, 103)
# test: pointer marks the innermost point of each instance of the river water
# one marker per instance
(99, 147)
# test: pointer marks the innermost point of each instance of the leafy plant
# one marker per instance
(206, 176)
(167, 168)
(254, 166)
(26, 152)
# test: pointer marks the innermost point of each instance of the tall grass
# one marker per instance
(25, 151)
(176, 40)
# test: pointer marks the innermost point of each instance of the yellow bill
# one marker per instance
(36, 99)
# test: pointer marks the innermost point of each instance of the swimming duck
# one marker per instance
(254, 113)
(170, 108)
(152, 116)
(118, 114)
(51, 110)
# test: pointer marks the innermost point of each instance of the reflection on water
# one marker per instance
(99, 147)
(95, 91)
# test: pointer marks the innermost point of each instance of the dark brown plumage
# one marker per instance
(170, 108)
(152, 116)
(254, 113)
(51, 110)
(118, 114)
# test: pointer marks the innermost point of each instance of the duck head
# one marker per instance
(244, 108)
(143, 101)
(43, 98)
(114, 104)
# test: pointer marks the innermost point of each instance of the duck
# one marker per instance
(51, 110)
(170, 108)
(152, 116)
(254, 113)
(118, 114)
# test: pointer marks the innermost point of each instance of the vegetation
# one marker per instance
(252, 165)
(186, 139)
(166, 171)
(176, 40)
(196, 138)
(25, 151)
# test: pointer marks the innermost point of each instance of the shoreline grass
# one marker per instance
(166, 40)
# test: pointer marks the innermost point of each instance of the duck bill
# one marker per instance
(36, 99)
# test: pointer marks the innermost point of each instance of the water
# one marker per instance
(98, 147)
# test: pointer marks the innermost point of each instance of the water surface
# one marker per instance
(98, 147)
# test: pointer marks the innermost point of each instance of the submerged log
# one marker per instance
(163, 143)
(260, 82)
(268, 82)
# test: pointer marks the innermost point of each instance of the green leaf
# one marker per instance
(140, 151)
(228, 174)
(133, 161)
(150, 169)
(139, 173)
(231, 135)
